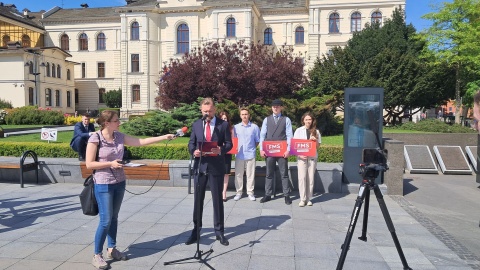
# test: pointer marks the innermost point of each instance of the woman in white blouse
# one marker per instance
(307, 165)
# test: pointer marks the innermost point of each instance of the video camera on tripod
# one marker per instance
(374, 161)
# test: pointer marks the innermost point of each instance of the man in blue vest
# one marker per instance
(276, 127)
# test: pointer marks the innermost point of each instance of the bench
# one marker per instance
(152, 170)
(24, 167)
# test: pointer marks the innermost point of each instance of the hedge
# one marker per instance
(329, 154)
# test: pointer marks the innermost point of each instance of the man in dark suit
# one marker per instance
(81, 133)
(209, 168)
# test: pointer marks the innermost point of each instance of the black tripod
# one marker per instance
(369, 173)
(200, 256)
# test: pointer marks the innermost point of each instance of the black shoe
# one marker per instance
(81, 158)
(192, 239)
(265, 199)
(288, 201)
(223, 240)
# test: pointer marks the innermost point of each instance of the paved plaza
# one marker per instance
(42, 227)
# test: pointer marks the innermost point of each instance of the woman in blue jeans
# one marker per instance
(110, 180)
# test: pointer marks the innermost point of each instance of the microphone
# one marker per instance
(204, 117)
(181, 131)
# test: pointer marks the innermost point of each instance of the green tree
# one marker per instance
(453, 38)
(113, 98)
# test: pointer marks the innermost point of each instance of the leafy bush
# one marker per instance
(113, 98)
(71, 120)
(5, 104)
(31, 115)
(152, 124)
(434, 125)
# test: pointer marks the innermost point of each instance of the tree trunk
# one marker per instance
(458, 98)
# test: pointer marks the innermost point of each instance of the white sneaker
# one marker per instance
(237, 197)
(99, 262)
(301, 204)
(251, 197)
(309, 203)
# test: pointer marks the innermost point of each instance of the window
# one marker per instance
(84, 70)
(299, 35)
(54, 71)
(135, 31)
(30, 96)
(48, 97)
(47, 68)
(76, 96)
(334, 23)
(135, 63)
(30, 67)
(101, 70)
(377, 17)
(183, 43)
(267, 36)
(101, 41)
(65, 42)
(5, 40)
(57, 98)
(231, 27)
(83, 42)
(135, 93)
(68, 74)
(69, 98)
(26, 41)
(59, 71)
(356, 22)
(101, 92)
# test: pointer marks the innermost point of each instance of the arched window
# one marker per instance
(57, 98)
(101, 42)
(47, 68)
(356, 22)
(101, 92)
(267, 36)
(83, 42)
(30, 67)
(68, 74)
(334, 23)
(299, 35)
(5, 40)
(65, 42)
(59, 71)
(54, 71)
(231, 27)
(135, 31)
(377, 17)
(26, 41)
(48, 97)
(183, 40)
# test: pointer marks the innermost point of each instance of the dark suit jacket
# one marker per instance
(80, 132)
(221, 134)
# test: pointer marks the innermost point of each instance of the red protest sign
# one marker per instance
(301, 147)
(274, 148)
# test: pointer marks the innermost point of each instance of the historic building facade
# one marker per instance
(126, 47)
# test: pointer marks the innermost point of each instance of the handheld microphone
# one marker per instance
(204, 117)
(181, 131)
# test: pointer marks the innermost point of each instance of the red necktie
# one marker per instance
(208, 134)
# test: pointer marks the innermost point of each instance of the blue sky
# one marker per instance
(415, 8)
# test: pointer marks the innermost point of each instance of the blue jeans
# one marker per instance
(109, 198)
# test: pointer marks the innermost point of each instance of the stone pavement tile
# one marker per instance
(399, 266)
(308, 213)
(139, 199)
(177, 255)
(20, 249)
(131, 208)
(315, 264)
(365, 264)
(91, 225)
(227, 261)
(244, 212)
(34, 222)
(84, 256)
(13, 234)
(314, 250)
(6, 262)
(133, 227)
(271, 262)
(412, 255)
(240, 233)
(233, 221)
(56, 252)
(310, 224)
(35, 264)
(124, 239)
(286, 234)
(236, 246)
(139, 258)
(75, 266)
(157, 208)
(4, 242)
(274, 248)
(307, 236)
(176, 218)
(166, 229)
(450, 267)
(363, 251)
(143, 216)
(78, 237)
(423, 242)
(67, 223)
(443, 257)
(280, 222)
(44, 235)
(152, 241)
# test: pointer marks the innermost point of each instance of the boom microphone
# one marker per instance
(181, 131)
(204, 117)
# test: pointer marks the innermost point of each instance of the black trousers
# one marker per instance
(216, 187)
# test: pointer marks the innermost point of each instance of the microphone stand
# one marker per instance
(199, 253)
